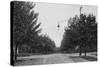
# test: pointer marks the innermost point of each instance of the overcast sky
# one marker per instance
(50, 14)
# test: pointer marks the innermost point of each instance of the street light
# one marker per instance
(59, 23)
(58, 26)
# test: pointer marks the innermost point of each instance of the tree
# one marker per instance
(81, 32)
(48, 45)
(25, 27)
(69, 41)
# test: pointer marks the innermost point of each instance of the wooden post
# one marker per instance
(80, 51)
(80, 20)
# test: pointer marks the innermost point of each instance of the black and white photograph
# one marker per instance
(52, 33)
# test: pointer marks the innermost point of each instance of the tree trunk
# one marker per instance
(15, 53)
(80, 51)
(85, 52)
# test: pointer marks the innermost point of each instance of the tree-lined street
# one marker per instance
(31, 46)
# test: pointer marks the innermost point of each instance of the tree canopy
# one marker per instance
(81, 31)
(26, 30)
(25, 27)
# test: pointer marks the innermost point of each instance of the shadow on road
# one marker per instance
(89, 58)
(82, 58)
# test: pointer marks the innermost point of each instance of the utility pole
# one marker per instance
(80, 9)
(80, 20)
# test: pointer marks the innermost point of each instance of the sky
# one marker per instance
(51, 14)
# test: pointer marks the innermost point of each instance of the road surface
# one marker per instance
(54, 58)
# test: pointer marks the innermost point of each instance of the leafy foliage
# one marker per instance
(81, 31)
(48, 44)
(26, 30)
(24, 25)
